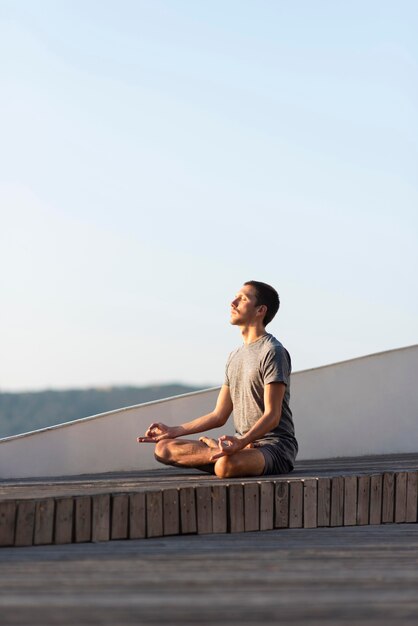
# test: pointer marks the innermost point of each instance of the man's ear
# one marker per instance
(262, 309)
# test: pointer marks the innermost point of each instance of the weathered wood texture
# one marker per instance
(25, 523)
(204, 510)
(296, 504)
(120, 516)
(411, 497)
(236, 509)
(137, 516)
(251, 507)
(82, 525)
(64, 520)
(154, 512)
(400, 497)
(388, 504)
(281, 516)
(337, 501)
(124, 482)
(101, 518)
(310, 503)
(350, 500)
(324, 501)
(369, 498)
(376, 486)
(7, 523)
(188, 520)
(363, 501)
(357, 575)
(171, 512)
(266, 505)
(44, 522)
(219, 509)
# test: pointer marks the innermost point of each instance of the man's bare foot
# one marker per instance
(211, 443)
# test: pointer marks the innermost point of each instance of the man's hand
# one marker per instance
(228, 445)
(158, 431)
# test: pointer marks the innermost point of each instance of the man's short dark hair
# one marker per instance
(267, 295)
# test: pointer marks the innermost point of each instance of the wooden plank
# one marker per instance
(266, 505)
(388, 503)
(324, 501)
(295, 504)
(363, 502)
(154, 511)
(82, 514)
(337, 501)
(251, 507)
(100, 526)
(310, 503)
(188, 521)
(281, 504)
(411, 496)
(137, 516)
(376, 486)
(236, 508)
(171, 512)
(219, 509)
(350, 500)
(204, 510)
(64, 508)
(300, 577)
(25, 523)
(120, 482)
(400, 497)
(44, 522)
(119, 516)
(7, 523)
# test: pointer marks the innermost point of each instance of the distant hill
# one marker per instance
(23, 412)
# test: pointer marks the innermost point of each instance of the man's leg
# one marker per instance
(185, 452)
(192, 453)
(247, 462)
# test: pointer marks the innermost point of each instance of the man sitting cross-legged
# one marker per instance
(256, 389)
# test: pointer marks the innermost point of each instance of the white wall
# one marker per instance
(367, 405)
(363, 406)
(102, 443)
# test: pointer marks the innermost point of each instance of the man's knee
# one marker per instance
(225, 467)
(163, 452)
(240, 464)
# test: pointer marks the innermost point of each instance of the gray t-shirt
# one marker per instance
(248, 370)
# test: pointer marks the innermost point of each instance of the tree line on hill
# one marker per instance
(26, 411)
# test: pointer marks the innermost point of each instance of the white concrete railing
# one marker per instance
(101, 443)
(367, 405)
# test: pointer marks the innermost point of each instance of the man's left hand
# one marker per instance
(227, 446)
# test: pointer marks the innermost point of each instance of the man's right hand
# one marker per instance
(158, 431)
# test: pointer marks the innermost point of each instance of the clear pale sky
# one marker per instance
(154, 155)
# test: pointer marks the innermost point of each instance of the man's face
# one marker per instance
(243, 307)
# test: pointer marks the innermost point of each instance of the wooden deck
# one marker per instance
(363, 575)
(328, 493)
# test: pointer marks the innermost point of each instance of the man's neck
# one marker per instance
(252, 333)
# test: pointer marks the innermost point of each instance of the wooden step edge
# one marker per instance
(270, 503)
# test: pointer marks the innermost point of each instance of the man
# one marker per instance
(256, 388)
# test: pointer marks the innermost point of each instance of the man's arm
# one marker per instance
(215, 419)
(273, 400)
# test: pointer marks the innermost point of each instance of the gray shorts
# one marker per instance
(277, 457)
